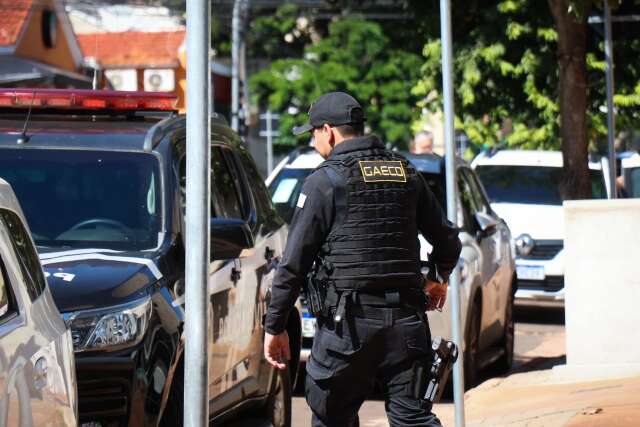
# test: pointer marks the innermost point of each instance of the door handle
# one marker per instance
(40, 373)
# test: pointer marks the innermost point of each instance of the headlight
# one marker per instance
(111, 327)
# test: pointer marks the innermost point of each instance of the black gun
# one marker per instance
(429, 381)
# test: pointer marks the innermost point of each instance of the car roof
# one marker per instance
(8, 199)
(631, 162)
(525, 158)
(86, 132)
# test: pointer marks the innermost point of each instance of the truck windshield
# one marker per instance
(87, 199)
(531, 184)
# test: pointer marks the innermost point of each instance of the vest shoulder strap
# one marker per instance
(339, 184)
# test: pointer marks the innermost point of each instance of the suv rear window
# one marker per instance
(536, 185)
(94, 199)
(285, 190)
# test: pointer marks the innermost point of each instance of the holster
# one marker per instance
(315, 292)
(431, 377)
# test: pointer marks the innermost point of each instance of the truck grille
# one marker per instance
(545, 249)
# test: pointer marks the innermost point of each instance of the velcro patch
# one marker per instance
(383, 171)
(301, 199)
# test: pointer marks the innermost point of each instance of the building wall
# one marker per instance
(32, 45)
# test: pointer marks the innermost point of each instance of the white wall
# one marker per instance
(602, 285)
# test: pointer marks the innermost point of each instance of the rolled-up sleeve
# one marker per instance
(439, 232)
(310, 226)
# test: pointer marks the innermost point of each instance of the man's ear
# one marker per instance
(332, 137)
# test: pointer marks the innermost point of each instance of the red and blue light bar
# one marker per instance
(83, 99)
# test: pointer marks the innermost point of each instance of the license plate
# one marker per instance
(530, 272)
(308, 326)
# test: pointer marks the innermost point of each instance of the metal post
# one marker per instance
(452, 212)
(196, 360)
(269, 143)
(235, 63)
(611, 124)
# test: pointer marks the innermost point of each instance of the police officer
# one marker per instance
(358, 217)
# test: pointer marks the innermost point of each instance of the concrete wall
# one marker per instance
(602, 285)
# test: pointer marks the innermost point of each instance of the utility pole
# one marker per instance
(611, 122)
(235, 59)
(452, 209)
(197, 236)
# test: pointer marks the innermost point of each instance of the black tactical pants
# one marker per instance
(348, 358)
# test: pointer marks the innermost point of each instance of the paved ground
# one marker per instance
(539, 344)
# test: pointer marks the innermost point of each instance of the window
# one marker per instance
(87, 199)
(285, 190)
(224, 190)
(480, 202)
(7, 304)
(467, 203)
(259, 189)
(26, 253)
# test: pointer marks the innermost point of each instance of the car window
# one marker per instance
(468, 204)
(26, 253)
(531, 184)
(480, 204)
(633, 177)
(7, 305)
(224, 191)
(258, 188)
(285, 190)
(86, 198)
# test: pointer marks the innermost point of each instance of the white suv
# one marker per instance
(523, 189)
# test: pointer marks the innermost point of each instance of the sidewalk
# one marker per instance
(536, 399)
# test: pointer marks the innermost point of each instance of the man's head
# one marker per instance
(333, 118)
(423, 143)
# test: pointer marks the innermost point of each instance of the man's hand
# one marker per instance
(276, 349)
(437, 295)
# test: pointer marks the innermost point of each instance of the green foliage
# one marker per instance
(355, 56)
(506, 76)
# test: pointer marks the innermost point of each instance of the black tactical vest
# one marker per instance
(373, 244)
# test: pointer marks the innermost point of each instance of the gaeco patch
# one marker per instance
(382, 171)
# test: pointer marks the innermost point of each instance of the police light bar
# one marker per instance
(82, 99)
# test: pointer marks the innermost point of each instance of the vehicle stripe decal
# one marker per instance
(80, 257)
(49, 255)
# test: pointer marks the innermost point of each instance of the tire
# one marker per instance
(505, 362)
(471, 353)
(278, 407)
(174, 412)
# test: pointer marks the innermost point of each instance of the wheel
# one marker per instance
(505, 362)
(472, 340)
(278, 406)
(174, 412)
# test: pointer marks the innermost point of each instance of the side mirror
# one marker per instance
(486, 223)
(229, 237)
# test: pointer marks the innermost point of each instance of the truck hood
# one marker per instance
(542, 222)
(90, 278)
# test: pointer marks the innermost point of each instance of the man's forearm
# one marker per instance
(283, 296)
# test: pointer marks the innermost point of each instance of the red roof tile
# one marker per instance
(13, 14)
(133, 48)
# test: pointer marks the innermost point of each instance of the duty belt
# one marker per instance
(401, 298)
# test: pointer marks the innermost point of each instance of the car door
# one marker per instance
(504, 261)
(489, 326)
(225, 292)
(36, 358)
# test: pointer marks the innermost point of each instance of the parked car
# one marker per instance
(486, 266)
(523, 187)
(631, 175)
(101, 176)
(37, 370)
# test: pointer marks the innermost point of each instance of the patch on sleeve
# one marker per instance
(301, 199)
(382, 171)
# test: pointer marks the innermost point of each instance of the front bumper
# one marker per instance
(539, 298)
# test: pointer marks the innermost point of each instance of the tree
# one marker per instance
(572, 62)
(355, 56)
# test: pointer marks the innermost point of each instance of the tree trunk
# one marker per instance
(572, 47)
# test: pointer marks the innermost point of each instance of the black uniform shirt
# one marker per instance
(311, 224)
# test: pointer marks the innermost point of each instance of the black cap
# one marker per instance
(334, 109)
